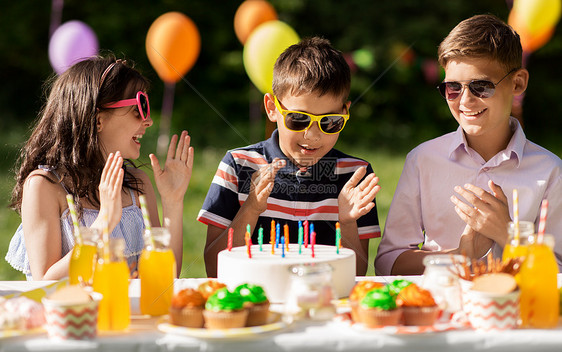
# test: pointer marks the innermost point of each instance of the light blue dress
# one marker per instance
(129, 228)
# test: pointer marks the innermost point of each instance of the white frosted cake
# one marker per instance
(271, 271)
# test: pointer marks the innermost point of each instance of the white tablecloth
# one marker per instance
(332, 336)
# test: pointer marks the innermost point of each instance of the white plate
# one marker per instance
(274, 324)
(403, 329)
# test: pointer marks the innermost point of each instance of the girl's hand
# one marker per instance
(173, 180)
(110, 187)
(356, 200)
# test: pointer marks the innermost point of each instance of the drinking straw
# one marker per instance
(542, 221)
(144, 209)
(516, 216)
(146, 219)
(74, 217)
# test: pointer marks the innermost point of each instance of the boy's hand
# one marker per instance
(487, 212)
(262, 185)
(474, 245)
(356, 200)
(110, 186)
(173, 180)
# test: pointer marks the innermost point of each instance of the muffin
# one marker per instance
(378, 308)
(256, 302)
(357, 293)
(209, 287)
(396, 286)
(187, 308)
(418, 306)
(225, 310)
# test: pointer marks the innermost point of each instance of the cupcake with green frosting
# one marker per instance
(225, 310)
(255, 300)
(378, 308)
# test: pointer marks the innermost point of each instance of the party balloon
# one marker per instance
(250, 14)
(529, 41)
(70, 43)
(263, 47)
(537, 15)
(173, 44)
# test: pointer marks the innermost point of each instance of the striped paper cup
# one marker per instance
(491, 312)
(72, 321)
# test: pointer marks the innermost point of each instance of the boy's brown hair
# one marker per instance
(482, 36)
(311, 66)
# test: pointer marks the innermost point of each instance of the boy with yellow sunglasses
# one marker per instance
(296, 174)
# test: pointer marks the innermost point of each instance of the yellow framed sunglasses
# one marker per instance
(298, 121)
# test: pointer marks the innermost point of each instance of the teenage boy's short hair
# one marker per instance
(311, 66)
(482, 36)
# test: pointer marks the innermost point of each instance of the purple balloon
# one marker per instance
(72, 42)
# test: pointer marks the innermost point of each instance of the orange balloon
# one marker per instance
(250, 14)
(530, 42)
(173, 44)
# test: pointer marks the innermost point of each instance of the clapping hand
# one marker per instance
(356, 199)
(110, 186)
(172, 181)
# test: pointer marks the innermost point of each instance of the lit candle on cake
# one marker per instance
(272, 236)
(230, 235)
(286, 236)
(260, 237)
(277, 234)
(306, 234)
(300, 237)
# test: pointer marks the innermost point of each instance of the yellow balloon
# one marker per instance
(538, 15)
(172, 45)
(262, 48)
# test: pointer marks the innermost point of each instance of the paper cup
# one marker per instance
(72, 321)
(487, 311)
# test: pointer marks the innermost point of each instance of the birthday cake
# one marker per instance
(271, 271)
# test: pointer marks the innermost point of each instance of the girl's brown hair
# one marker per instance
(65, 136)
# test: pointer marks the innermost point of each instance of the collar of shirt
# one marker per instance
(513, 150)
(324, 167)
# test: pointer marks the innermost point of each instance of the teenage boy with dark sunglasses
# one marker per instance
(454, 195)
(296, 175)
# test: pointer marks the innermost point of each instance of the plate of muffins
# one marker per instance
(399, 307)
(213, 312)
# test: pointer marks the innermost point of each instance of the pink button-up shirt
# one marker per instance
(421, 210)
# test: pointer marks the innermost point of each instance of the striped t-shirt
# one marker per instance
(296, 195)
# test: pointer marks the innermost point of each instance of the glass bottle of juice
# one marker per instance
(539, 288)
(517, 248)
(157, 271)
(82, 260)
(111, 279)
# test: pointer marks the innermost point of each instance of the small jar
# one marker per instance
(311, 292)
(440, 279)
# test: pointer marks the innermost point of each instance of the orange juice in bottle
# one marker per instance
(157, 270)
(111, 279)
(516, 247)
(539, 303)
(82, 260)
